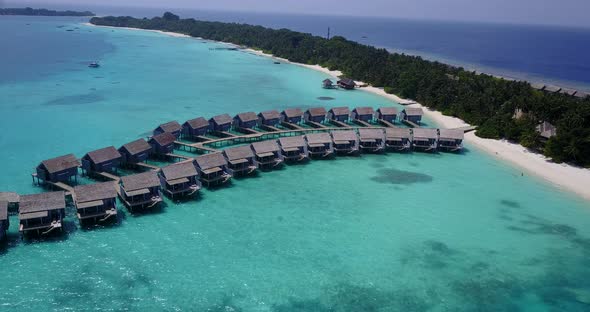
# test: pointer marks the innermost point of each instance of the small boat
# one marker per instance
(94, 65)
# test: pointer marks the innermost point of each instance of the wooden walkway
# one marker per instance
(247, 131)
(466, 128)
(340, 124)
(363, 123)
(109, 176)
(269, 128)
(386, 123)
(316, 124)
(148, 166)
(198, 147)
(411, 124)
(180, 157)
(289, 125)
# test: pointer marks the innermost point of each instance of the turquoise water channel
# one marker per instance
(395, 232)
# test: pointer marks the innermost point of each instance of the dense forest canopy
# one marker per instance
(42, 12)
(479, 99)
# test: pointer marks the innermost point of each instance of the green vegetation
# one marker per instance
(42, 12)
(479, 99)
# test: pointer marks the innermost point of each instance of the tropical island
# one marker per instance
(501, 109)
(43, 12)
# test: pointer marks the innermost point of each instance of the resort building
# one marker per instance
(294, 148)
(268, 154)
(450, 140)
(180, 179)
(546, 130)
(162, 144)
(345, 142)
(293, 115)
(96, 202)
(398, 139)
(366, 114)
(327, 84)
(213, 169)
(372, 140)
(220, 123)
(241, 160)
(269, 118)
(346, 83)
(341, 114)
(59, 169)
(425, 139)
(172, 127)
(195, 128)
(247, 120)
(316, 114)
(103, 160)
(388, 114)
(412, 114)
(4, 220)
(141, 190)
(319, 144)
(42, 213)
(135, 152)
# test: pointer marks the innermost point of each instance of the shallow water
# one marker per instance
(396, 232)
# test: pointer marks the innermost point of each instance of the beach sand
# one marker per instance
(564, 176)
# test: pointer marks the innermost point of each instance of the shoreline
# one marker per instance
(563, 176)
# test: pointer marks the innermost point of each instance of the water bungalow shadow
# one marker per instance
(395, 176)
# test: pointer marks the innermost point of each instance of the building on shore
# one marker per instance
(106, 159)
(241, 160)
(140, 191)
(268, 154)
(60, 169)
(292, 115)
(213, 169)
(315, 114)
(388, 114)
(319, 144)
(247, 120)
(347, 83)
(425, 139)
(162, 144)
(398, 139)
(220, 123)
(172, 127)
(96, 202)
(372, 140)
(43, 213)
(546, 130)
(135, 152)
(294, 148)
(366, 114)
(346, 142)
(180, 179)
(341, 114)
(412, 114)
(450, 140)
(195, 128)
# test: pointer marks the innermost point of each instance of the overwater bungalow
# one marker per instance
(220, 123)
(316, 114)
(241, 160)
(59, 169)
(172, 127)
(293, 115)
(162, 144)
(294, 148)
(247, 120)
(96, 202)
(341, 114)
(135, 152)
(213, 169)
(425, 139)
(450, 140)
(4, 220)
(366, 114)
(270, 118)
(372, 140)
(194, 128)
(328, 84)
(388, 114)
(398, 139)
(319, 144)
(180, 179)
(141, 190)
(345, 142)
(268, 154)
(412, 114)
(42, 213)
(102, 160)
(346, 83)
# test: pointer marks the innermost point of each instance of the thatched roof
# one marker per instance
(424, 133)
(179, 170)
(272, 114)
(270, 146)
(42, 202)
(103, 155)
(140, 181)
(344, 135)
(212, 160)
(172, 126)
(163, 139)
(370, 134)
(197, 123)
(413, 111)
(292, 142)
(61, 163)
(318, 138)
(222, 119)
(316, 111)
(398, 133)
(340, 111)
(240, 152)
(347, 81)
(364, 110)
(97, 191)
(293, 112)
(387, 111)
(3, 210)
(137, 147)
(451, 134)
(246, 117)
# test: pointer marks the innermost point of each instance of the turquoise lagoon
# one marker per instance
(396, 232)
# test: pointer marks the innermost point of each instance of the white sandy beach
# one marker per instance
(563, 176)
